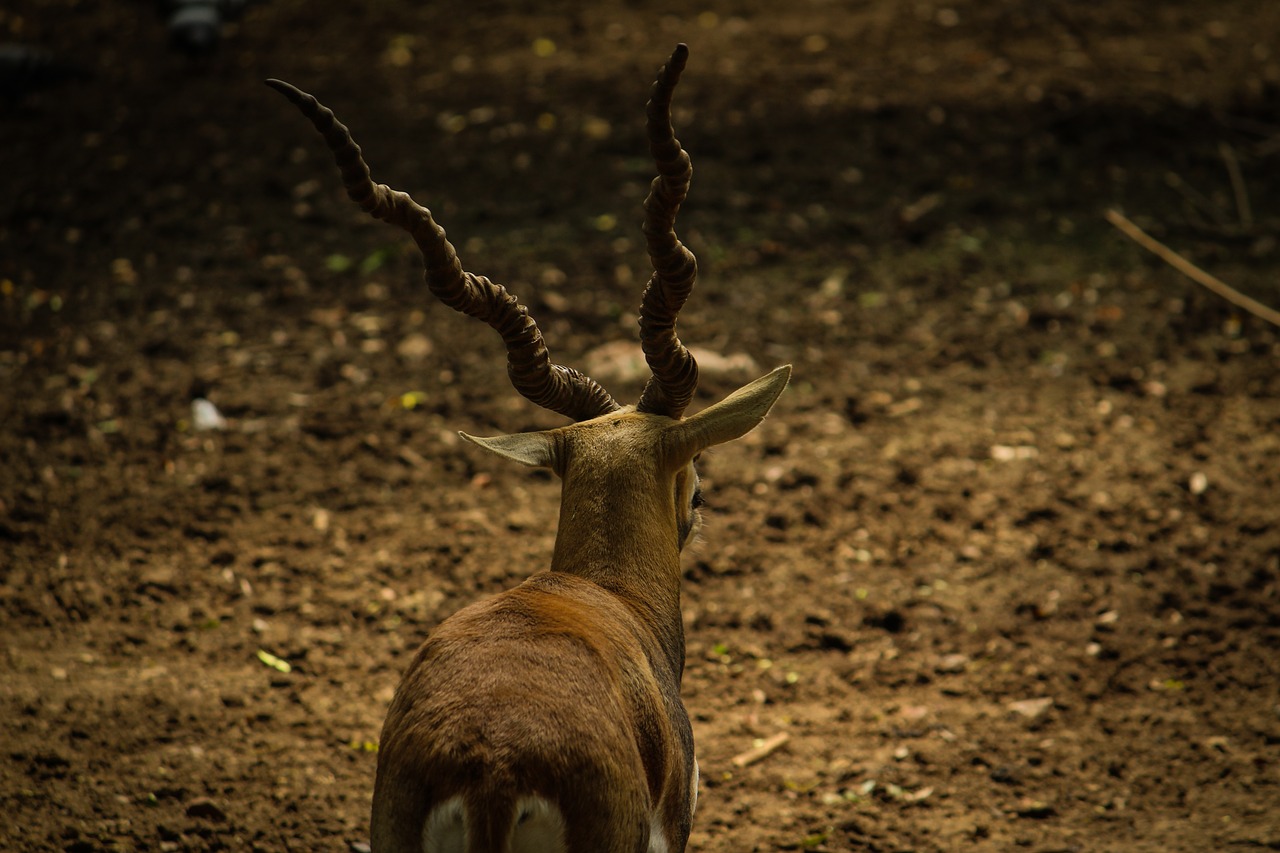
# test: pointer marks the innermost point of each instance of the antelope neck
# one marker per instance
(620, 533)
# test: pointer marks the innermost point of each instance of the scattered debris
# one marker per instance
(279, 664)
(761, 750)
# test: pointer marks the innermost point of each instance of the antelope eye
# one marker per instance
(697, 500)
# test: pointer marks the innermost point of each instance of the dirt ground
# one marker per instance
(1003, 563)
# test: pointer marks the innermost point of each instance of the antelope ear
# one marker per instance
(733, 417)
(535, 449)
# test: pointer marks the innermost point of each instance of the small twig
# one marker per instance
(1243, 208)
(767, 747)
(1190, 270)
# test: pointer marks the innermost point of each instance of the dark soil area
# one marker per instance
(1003, 563)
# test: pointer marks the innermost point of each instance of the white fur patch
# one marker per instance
(657, 838)
(538, 828)
(446, 828)
(693, 789)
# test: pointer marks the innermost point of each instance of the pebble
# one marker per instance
(204, 807)
(205, 416)
(1035, 809)
(1007, 453)
(1032, 709)
(414, 347)
(623, 362)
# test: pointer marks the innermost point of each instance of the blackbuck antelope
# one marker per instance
(548, 718)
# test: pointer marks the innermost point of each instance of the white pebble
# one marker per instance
(205, 416)
(1005, 453)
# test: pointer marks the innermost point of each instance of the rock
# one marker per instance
(711, 363)
(619, 361)
(1032, 709)
(1035, 809)
(414, 347)
(1008, 453)
(836, 639)
(1004, 775)
(204, 807)
(205, 416)
(623, 362)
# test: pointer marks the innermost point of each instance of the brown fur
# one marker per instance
(568, 685)
(553, 688)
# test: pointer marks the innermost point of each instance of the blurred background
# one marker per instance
(1002, 565)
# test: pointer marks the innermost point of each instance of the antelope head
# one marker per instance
(549, 718)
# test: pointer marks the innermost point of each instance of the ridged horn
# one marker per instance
(551, 386)
(675, 373)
